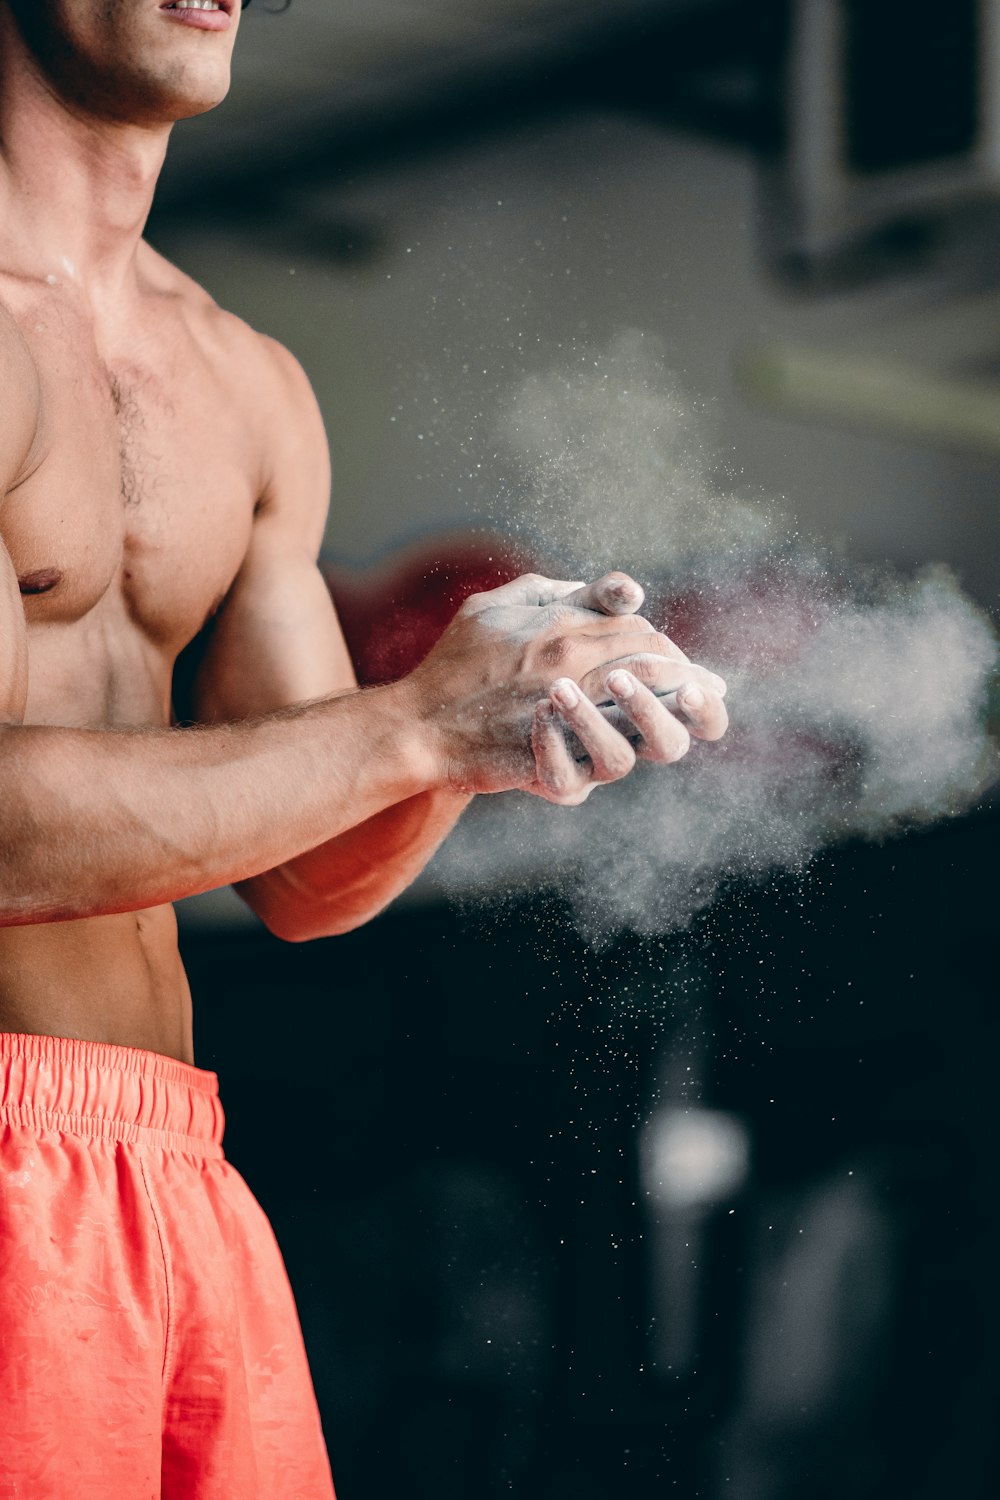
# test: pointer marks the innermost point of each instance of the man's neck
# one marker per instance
(75, 192)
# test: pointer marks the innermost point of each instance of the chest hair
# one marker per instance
(137, 463)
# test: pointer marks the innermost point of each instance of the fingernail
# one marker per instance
(565, 692)
(622, 684)
(691, 695)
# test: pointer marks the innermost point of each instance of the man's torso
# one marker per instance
(126, 534)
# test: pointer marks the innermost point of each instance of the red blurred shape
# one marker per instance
(393, 613)
(761, 622)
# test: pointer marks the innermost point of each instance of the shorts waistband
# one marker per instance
(110, 1093)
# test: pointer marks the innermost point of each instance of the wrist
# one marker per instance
(415, 736)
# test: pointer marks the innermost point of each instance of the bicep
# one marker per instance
(276, 641)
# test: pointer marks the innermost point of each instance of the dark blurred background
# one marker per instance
(709, 1215)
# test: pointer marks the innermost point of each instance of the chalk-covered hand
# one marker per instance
(487, 695)
(654, 698)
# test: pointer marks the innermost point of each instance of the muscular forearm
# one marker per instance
(342, 883)
(95, 821)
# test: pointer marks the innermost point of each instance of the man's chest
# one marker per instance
(142, 500)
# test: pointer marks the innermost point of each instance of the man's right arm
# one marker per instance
(97, 821)
(100, 821)
(111, 820)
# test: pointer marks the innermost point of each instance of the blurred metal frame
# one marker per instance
(692, 64)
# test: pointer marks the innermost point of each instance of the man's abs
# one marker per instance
(105, 979)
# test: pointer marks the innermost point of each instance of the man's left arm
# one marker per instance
(275, 642)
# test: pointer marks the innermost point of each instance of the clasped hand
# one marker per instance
(557, 687)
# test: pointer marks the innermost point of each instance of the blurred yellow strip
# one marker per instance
(894, 398)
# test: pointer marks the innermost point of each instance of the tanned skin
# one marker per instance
(163, 472)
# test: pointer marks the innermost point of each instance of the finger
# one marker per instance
(611, 755)
(530, 588)
(703, 709)
(655, 670)
(706, 721)
(610, 641)
(614, 594)
(560, 778)
(664, 737)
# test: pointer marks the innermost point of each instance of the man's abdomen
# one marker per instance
(112, 979)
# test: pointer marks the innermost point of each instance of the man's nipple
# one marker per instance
(40, 581)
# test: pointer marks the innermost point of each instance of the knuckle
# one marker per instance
(614, 765)
(637, 623)
(575, 798)
(555, 650)
(558, 782)
(612, 756)
(646, 668)
(666, 647)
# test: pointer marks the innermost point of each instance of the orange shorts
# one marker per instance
(149, 1344)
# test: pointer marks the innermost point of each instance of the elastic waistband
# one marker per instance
(110, 1093)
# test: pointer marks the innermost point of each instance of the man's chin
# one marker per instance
(190, 108)
(150, 103)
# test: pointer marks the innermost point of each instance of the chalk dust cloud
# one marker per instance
(857, 696)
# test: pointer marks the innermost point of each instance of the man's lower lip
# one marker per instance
(202, 20)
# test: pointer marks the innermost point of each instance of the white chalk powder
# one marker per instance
(856, 696)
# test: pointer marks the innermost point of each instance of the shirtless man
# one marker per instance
(163, 471)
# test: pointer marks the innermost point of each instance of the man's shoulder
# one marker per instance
(231, 343)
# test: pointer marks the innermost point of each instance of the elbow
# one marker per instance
(282, 919)
(294, 920)
(305, 927)
(279, 926)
